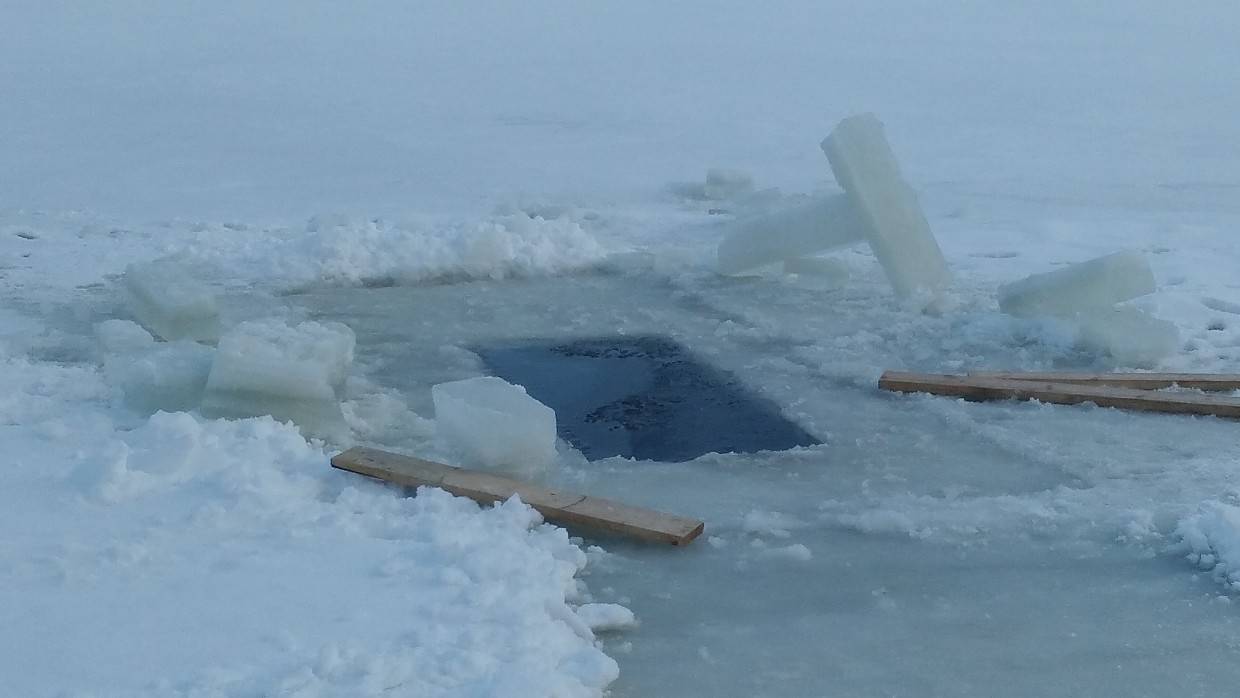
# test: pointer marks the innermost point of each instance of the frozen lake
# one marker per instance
(927, 547)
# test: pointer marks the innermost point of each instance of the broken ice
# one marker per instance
(292, 373)
(826, 222)
(1088, 286)
(886, 205)
(495, 424)
(1131, 336)
(164, 296)
(153, 376)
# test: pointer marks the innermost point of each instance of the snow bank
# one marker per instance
(342, 250)
(1210, 539)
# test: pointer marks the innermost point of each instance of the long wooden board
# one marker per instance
(978, 388)
(1145, 381)
(567, 509)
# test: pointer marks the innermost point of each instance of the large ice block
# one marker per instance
(826, 222)
(165, 297)
(496, 425)
(886, 205)
(168, 376)
(289, 372)
(1131, 336)
(1093, 285)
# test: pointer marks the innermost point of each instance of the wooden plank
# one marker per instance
(980, 388)
(1143, 381)
(568, 509)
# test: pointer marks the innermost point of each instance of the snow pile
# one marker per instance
(497, 425)
(1210, 539)
(342, 250)
(289, 372)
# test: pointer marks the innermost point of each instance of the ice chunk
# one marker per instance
(1131, 336)
(289, 372)
(886, 205)
(603, 617)
(723, 184)
(496, 424)
(167, 376)
(1093, 285)
(117, 336)
(165, 297)
(826, 222)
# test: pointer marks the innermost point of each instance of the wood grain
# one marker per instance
(1144, 381)
(568, 509)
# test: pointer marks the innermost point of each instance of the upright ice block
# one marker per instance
(887, 207)
(166, 299)
(496, 424)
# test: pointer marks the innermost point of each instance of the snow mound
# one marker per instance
(1210, 539)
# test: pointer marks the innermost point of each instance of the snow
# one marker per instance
(289, 372)
(1093, 285)
(795, 231)
(495, 424)
(887, 206)
(319, 163)
(164, 296)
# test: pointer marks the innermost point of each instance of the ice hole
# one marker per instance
(643, 397)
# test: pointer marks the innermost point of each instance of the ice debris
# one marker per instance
(165, 297)
(495, 424)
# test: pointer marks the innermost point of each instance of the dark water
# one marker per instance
(643, 397)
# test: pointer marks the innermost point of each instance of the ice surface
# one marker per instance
(168, 376)
(165, 297)
(496, 425)
(1092, 285)
(289, 372)
(887, 206)
(826, 222)
(1132, 337)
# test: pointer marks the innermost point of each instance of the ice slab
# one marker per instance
(887, 206)
(826, 222)
(1131, 336)
(832, 273)
(1088, 286)
(497, 425)
(644, 397)
(164, 296)
(116, 336)
(168, 376)
(289, 372)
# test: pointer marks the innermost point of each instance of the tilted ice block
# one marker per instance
(496, 424)
(164, 297)
(887, 206)
(1131, 336)
(291, 373)
(826, 222)
(168, 376)
(1097, 284)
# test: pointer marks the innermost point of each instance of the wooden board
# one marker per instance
(1146, 381)
(567, 509)
(979, 388)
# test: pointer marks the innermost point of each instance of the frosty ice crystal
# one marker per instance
(495, 424)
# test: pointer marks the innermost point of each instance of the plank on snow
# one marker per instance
(979, 388)
(1146, 381)
(570, 510)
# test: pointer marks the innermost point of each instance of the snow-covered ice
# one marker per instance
(495, 424)
(795, 231)
(289, 372)
(886, 205)
(165, 296)
(1093, 285)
